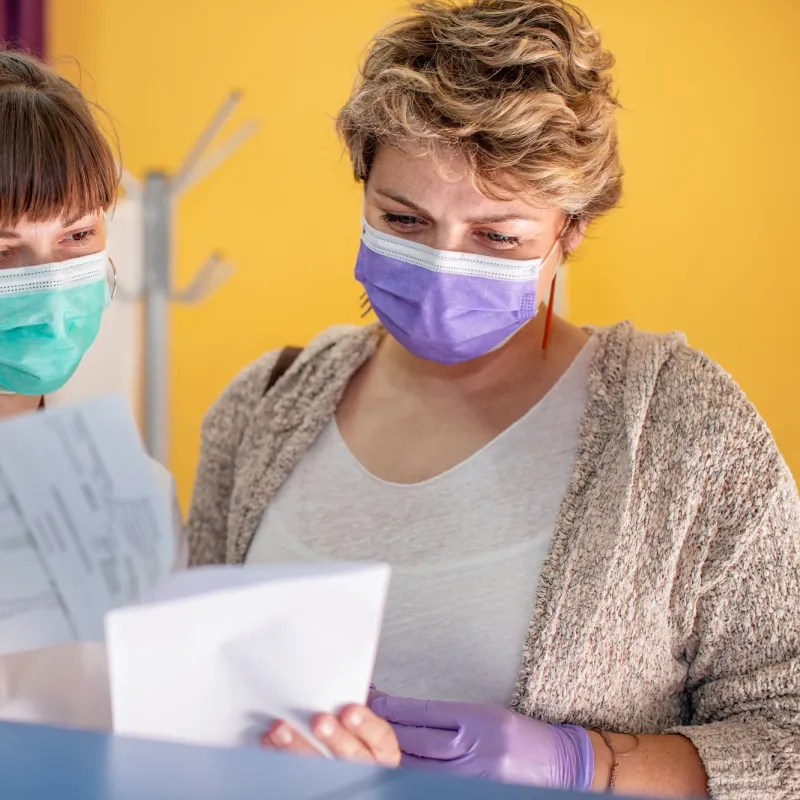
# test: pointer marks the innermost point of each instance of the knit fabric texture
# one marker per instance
(669, 599)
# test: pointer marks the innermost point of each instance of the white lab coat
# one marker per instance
(68, 684)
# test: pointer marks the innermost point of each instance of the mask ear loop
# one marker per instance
(549, 317)
(548, 320)
(114, 273)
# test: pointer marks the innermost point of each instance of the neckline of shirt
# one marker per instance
(580, 361)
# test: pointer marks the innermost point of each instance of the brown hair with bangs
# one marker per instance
(54, 159)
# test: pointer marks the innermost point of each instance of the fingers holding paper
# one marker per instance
(357, 734)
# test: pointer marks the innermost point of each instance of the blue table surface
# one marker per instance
(38, 762)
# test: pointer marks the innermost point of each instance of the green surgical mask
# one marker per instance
(49, 316)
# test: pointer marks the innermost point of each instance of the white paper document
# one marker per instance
(216, 654)
(85, 525)
(92, 620)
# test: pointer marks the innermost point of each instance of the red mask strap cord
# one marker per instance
(549, 318)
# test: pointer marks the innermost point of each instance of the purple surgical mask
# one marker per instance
(441, 305)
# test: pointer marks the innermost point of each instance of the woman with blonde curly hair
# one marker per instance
(594, 539)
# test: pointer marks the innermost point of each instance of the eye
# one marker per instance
(402, 221)
(499, 241)
(7, 258)
(79, 237)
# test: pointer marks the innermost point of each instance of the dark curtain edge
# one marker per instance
(22, 25)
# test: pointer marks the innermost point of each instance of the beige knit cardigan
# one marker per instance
(670, 597)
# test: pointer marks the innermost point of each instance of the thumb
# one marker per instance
(421, 713)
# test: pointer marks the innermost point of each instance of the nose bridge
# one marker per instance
(35, 253)
(447, 234)
(44, 255)
(38, 244)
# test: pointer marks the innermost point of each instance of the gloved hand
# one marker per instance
(485, 741)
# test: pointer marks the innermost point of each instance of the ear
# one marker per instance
(574, 236)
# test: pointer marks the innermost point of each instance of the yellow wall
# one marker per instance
(703, 243)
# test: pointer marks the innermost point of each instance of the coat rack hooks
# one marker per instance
(157, 193)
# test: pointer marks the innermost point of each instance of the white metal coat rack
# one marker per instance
(158, 193)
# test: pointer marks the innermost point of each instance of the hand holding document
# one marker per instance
(62, 685)
(218, 653)
(209, 656)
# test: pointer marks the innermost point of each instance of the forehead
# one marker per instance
(441, 183)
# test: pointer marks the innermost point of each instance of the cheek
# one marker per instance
(546, 279)
(375, 219)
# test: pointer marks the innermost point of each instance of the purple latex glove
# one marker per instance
(484, 741)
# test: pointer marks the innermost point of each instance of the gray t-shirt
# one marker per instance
(466, 547)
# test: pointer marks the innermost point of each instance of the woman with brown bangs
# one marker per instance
(58, 178)
(595, 542)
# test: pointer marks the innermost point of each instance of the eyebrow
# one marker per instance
(502, 218)
(398, 198)
(490, 220)
(66, 223)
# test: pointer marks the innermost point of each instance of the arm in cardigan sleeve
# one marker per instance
(744, 677)
(221, 434)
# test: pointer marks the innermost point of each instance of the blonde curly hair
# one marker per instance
(520, 88)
